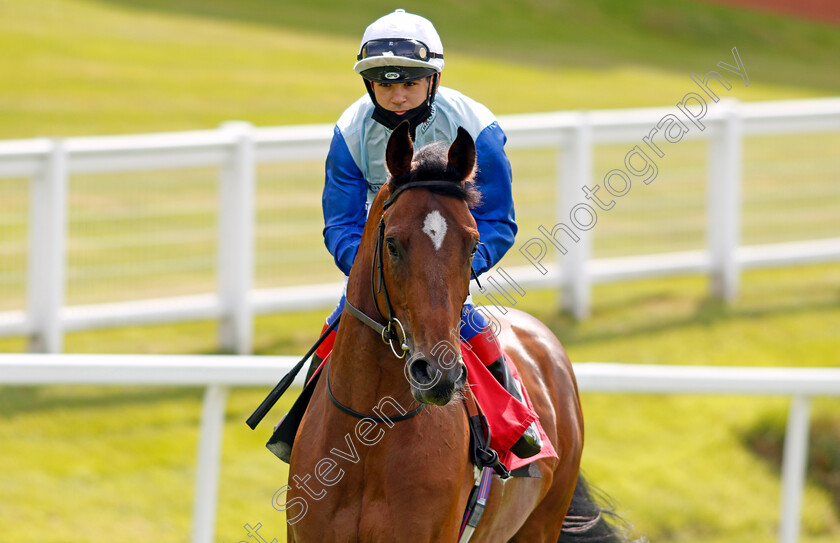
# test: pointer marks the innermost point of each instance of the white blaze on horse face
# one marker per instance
(435, 227)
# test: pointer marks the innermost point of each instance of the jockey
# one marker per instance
(400, 60)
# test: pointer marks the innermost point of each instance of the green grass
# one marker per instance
(93, 67)
(86, 463)
(91, 464)
(767, 438)
(105, 66)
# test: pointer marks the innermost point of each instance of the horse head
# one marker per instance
(428, 238)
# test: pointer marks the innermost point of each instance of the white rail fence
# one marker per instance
(236, 148)
(217, 373)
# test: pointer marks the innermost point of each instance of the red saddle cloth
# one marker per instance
(507, 416)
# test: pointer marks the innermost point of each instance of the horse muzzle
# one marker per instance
(432, 384)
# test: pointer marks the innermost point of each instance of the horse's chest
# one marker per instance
(404, 482)
(401, 496)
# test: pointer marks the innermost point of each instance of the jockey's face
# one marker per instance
(400, 97)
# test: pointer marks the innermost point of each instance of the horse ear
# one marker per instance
(399, 151)
(462, 154)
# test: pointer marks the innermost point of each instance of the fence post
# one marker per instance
(576, 171)
(205, 502)
(724, 202)
(236, 241)
(794, 468)
(46, 263)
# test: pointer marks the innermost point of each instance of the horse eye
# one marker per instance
(474, 250)
(393, 250)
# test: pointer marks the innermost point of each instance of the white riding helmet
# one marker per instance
(399, 47)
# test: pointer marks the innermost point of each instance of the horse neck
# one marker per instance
(363, 369)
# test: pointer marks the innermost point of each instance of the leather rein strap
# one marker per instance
(375, 418)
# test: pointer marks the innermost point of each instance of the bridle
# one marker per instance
(388, 332)
(483, 455)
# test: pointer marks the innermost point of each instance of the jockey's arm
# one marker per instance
(343, 203)
(495, 216)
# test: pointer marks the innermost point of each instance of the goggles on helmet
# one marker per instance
(397, 47)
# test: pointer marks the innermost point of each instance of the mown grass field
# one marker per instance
(85, 464)
(107, 66)
(98, 67)
(94, 464)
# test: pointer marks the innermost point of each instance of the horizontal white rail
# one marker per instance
(254, 370)
(122, 369)
(286, 299)
(219, 372)
(94, 154)
(667, 379)
(236, 149)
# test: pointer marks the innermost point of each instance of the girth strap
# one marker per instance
(483, 456)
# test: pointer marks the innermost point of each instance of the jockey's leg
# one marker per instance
(479, 335)
(326, 347)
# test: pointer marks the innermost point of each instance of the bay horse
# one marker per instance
(395, 477)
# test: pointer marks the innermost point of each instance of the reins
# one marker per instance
(281, 387)
(374, 418)
(388, 331)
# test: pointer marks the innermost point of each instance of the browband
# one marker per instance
(452, 188)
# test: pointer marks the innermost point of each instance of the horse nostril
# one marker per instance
(422, 373)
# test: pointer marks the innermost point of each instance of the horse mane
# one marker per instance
(431, 163)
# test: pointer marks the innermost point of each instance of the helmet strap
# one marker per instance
(415, 117)
(433, 85)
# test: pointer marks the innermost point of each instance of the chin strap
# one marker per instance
(415, 117)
